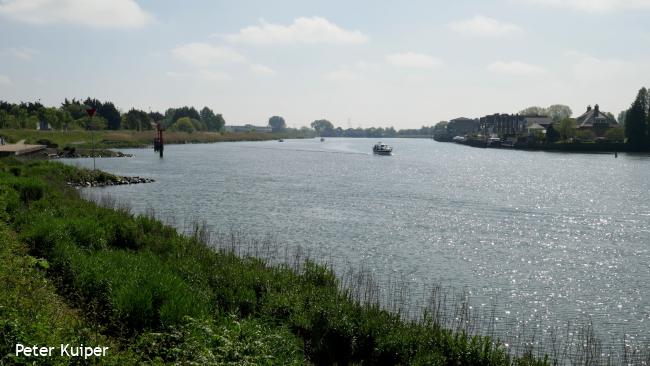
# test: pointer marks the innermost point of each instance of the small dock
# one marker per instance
(20, 149)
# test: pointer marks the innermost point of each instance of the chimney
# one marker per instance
(588, 108)
(596, 109)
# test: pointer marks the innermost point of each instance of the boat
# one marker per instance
(280, 140)
(382, 149)
(322, 139)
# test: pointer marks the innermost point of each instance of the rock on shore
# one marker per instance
(112, 181)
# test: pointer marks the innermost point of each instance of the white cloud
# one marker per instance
(413, 60)
(587, 68)
(21, 53)
(201, 75)
(5, 80)
(303, 30)
(515, 68)
(93, 13)
(595, 6)
(483, 26)
(342, 75)
(203, 55)
(262, 70)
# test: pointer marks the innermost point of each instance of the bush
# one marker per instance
(29, 189)
(133, 291)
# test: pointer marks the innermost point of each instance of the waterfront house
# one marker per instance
(595, 120)
(511, 125)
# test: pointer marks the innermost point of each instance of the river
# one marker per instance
(549, 237)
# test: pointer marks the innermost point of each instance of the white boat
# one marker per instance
(382, 149)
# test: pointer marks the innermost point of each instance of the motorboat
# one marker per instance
(382, 149)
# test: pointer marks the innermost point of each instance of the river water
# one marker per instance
(549, 237)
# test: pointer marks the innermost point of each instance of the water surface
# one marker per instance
(549, 236)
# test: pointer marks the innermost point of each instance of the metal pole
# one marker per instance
(92, 136)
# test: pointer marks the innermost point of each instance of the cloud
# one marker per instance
(515, 68)
(303, 30)
(413, 60)
(593, 6)
(93, 13)
(201, 75)
(203, 54)
(587, 68)
(262, 70)
(21, 53)
(342, 75)
(482, 26)
(5, 80)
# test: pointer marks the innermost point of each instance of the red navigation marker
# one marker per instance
(91, 111)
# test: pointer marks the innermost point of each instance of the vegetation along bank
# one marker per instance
(77, 273)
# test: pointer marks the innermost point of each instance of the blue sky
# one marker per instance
(356, 63)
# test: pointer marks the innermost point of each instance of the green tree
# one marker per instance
(534, 111)
(551, 134)
(323, 127)
(184, 124)
(558, 112)
(616, 134)
(636, 119)
(585, 135)
(621, 117)
(212, 122)
(567, 128)
(136, 120)
(277, 124)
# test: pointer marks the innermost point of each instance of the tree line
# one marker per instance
(637, 120)
(71, 114)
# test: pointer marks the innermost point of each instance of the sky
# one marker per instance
(356, 63)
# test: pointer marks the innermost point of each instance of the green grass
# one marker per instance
(81, 139)
(168, 298)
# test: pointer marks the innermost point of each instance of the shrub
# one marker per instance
(29, 189)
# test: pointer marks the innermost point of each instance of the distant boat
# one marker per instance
(382, 149)
(280, 140)
(322, 139)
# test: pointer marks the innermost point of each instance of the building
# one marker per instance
(595, 120)
(462, 126)
(510, 125)
(249, 128)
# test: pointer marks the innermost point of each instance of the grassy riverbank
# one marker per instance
(77, 272)
(81, 139)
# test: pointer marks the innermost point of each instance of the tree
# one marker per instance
(74, 107)
(323, 127)
(211, 121)
(585, 135)
(616, 134)
(567, 128)
(621, 117)
(636, 119)
(111, 114)
(156, 116)
(136, 120)
(551, 134)
(534, 111)
(558, 112)
(277, 124)
(183, 124)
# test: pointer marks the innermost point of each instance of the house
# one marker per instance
(595, 120)
(462, 126)
(510, 125)
(43, 126)
(249, 128)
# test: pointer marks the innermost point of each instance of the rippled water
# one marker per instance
(547, 235)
